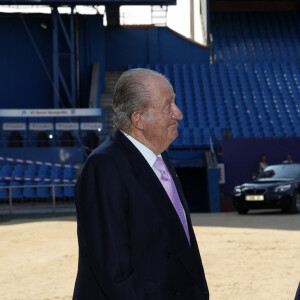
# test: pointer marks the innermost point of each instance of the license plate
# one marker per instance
(255, 198)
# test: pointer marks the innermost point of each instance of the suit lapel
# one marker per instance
(187, 257)
(149, 181)
(182, 197)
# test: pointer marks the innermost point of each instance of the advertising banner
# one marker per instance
(72, 112)
(41, 126)
(66, 126)
(13, 126)
(91, 126)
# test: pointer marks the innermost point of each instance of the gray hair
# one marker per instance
(131, 95)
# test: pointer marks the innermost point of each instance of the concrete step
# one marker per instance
(111, 78)
(106, 100)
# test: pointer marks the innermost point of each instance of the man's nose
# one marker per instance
(177, 114)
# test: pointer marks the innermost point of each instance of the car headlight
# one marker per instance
(237, 190)
(282, 188)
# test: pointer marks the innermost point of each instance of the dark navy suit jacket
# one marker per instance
(132, 245)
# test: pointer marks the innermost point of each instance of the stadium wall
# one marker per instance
(92, 49)
(26, 55)
(151, 45)
(23, 79)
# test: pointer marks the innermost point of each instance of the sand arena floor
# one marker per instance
(252, 257)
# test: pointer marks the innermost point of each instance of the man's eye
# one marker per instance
(167, 109)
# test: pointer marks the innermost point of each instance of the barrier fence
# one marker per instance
(43, 163)
(53, 196)
(38, 179)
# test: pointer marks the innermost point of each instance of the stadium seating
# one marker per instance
(249, 99)
(252, 89)
(256, 37)
(36, 171)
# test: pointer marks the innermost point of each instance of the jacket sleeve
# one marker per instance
(103, 228)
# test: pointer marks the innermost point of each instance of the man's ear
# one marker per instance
(137, 120)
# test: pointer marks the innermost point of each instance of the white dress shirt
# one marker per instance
(149, 156)
(146, 152)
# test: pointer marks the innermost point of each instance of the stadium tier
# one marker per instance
(256, 37)
(242, 100)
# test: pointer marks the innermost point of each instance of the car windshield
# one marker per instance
(280, 171)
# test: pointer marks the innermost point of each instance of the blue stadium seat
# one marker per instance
(198, 137)
(218, 132)
(7, 170)
(4, 193)
(58, 189)
(29, 192)
(187, 137)
(56, 172)
(43, 192)
(44, 171)
(69, 191)
(17, 192)
(168, 73)
(31, 171)
(179, 92)
(199, 104)
(69, 173)
(18, 171)
(178, 141)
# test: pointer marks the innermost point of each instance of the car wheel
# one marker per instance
(242, 211)
(295, 203)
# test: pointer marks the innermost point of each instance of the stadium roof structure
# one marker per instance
(88, 2)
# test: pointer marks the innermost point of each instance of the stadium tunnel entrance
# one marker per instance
(194, 185)
(198, 173)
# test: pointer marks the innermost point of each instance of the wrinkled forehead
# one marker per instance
(160, 91)
(157, 83)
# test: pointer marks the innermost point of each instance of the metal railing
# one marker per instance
(53, 196)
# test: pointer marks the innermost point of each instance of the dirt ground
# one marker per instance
(252, 257)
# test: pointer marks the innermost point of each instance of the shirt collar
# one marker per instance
(148, 154)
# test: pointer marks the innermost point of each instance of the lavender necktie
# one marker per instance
(170, 188)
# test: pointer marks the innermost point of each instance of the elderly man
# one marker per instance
(135, 236)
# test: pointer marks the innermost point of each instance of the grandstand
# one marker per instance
(250, 100)
(263, 37)
(242, 88)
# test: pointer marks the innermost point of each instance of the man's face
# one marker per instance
(161, 119)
